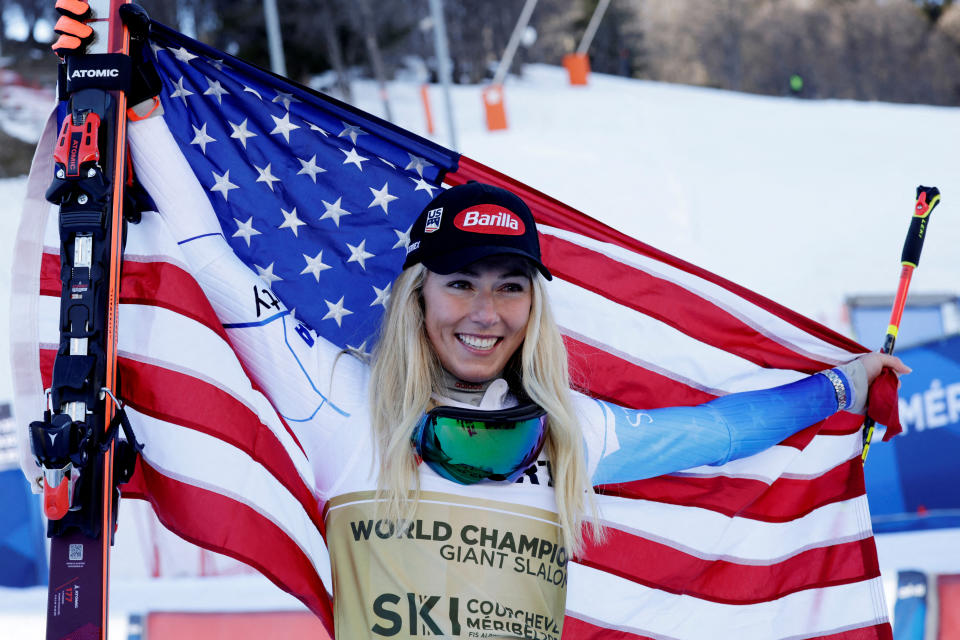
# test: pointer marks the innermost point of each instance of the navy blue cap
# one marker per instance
(472, 221)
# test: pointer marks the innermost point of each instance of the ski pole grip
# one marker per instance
(927, 199)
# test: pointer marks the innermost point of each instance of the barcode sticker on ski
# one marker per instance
(76, 552)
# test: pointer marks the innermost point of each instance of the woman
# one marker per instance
(462, 461)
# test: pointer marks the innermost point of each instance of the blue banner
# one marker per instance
(913, 480)
(910, 611)
(23, 561)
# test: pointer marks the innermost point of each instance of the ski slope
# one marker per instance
(806, 202)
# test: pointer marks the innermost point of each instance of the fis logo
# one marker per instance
(433, 220)
(490, 218)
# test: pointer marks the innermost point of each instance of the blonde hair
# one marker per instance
(405, 371)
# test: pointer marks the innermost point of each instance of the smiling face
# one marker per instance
(476, 318)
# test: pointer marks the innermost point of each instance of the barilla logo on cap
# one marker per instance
(433, 220)
(490, 218)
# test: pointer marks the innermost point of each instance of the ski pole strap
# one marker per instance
(927, 199)
(120, 419)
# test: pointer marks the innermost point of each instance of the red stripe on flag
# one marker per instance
(660, 566)
(195, 404)
(605, 376)
(159, 284)
(216, 522)
(669, 303)
(156, 283)
(189, 402)
(578, 629)
(552, 212)
(876, 632)
(784, 500)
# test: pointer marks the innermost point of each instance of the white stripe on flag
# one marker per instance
(770, 325)
(655, 345)
(710, 535)
(203, 461)
(180, 344)
(821, 455)
(632, 607)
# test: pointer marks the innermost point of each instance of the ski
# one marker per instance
(75, 443)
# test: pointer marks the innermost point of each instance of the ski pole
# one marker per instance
(927, 199)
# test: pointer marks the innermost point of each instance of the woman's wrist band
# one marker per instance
(838, 387)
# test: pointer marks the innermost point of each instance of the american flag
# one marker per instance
(318, 198)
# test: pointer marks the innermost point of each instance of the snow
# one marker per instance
(805, 202)
(24, 109)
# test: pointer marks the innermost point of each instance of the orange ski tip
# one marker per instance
(79, 8)
(70, 26)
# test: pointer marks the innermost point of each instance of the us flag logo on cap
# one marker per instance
(433, 220)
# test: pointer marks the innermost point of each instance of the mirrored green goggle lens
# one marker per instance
(468, 451)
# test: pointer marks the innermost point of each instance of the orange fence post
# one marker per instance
(493, 105)
(425, 96)
(578, 66)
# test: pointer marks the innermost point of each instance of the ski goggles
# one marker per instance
(470, 445)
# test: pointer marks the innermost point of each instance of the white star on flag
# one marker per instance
(403, 238)
(310, 168)
(284, 126)
(240, 132)
(381, 197)
(359, 254)
(351, 132)
(267, 274)
(354, 158)
(266, 175)
(245, 230)
(417, 163)
(336, 311)
(285, 98)
(314, 265)
(361, 349)
(423, 185)
(181, 91)
(291, 221)
(253, 91)
(216, 89)
(201, 138)
(223, 184)
(334, 210)
(382, 295)
(314, 127)
(182, 54)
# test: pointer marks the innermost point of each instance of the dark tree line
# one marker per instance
(895, 50)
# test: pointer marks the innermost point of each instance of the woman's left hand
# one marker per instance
(874, 363)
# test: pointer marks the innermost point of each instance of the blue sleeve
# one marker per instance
(644, 444)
